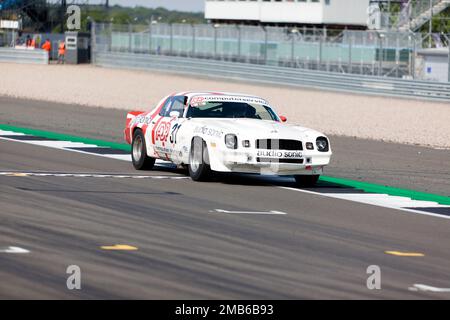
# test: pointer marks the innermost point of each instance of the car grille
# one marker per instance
(279, 144)
(276, 160)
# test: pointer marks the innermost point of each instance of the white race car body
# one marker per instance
(265, 146)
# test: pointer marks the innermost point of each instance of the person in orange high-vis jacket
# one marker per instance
(62, 52)
(47, 46)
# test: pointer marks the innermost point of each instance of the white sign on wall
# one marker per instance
(9, 24)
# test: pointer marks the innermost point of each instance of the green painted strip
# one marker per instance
(367, 187)
(64, 137)
(375, 188)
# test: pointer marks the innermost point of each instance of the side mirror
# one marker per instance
(283, 118)
(174, 114)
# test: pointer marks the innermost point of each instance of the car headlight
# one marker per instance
(231, 141)
(322, 144)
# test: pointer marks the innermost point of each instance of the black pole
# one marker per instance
(107, 8)
(63, 14)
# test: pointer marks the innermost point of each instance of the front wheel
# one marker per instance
(139, 152)
(306, 180)
(199, 168)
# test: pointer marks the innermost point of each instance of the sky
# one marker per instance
(181, 5)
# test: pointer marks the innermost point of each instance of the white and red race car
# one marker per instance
(225, 132)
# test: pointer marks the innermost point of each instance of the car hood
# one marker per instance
(254, 128)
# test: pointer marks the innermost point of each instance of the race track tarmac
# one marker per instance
(236, 237)
(187, 249)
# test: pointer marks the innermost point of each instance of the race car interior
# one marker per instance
(231, 110)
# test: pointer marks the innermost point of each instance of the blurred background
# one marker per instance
(391, 38)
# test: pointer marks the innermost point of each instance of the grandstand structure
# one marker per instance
(419, 13)
(412, 15)
(429, 18)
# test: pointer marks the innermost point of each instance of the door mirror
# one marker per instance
(174, 114)
(283, 118)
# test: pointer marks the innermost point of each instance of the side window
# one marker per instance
(177, 105)
(165, 109)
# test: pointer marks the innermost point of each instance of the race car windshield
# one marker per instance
(232, 110)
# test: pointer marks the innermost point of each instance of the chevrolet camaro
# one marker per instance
(225, 132)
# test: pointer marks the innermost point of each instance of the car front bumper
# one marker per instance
(249, 161)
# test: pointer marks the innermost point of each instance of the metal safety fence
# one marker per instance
(276, 75)
(389, 54)
(23, 56)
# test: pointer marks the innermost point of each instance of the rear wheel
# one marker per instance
(199, 168)
(139, 152)
(306, 181)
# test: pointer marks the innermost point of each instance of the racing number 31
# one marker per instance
(173, 135)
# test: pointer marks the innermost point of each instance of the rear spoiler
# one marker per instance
(130, 117)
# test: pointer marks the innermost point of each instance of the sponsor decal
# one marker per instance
(141, 119)
(209, 131)
(202, 100)
(198, 101)
(279, 154)
(293, 154)
(163, 149)
(162, 131)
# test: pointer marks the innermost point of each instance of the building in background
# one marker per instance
(433, 65)
(351, 14)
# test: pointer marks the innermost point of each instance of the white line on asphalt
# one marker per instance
(64, 145)
(400, 203)
(14, 250)
(249, 212)
(423, 287)
(381, 200)
(11, 133)
(85, 175)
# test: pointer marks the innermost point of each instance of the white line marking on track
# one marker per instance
(404, 204)
(375, 200)
(87, 175)
(423, 287)
(249, 212)
(11, 133)
(385, 200)
(14, 250)
(62, 145)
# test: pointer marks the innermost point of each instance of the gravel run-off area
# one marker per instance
(379, 118)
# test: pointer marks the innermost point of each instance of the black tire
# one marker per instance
(306, 181)
(139, 152)
(199, 169)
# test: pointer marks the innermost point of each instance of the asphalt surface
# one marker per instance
(404, 166)
(321, 248)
